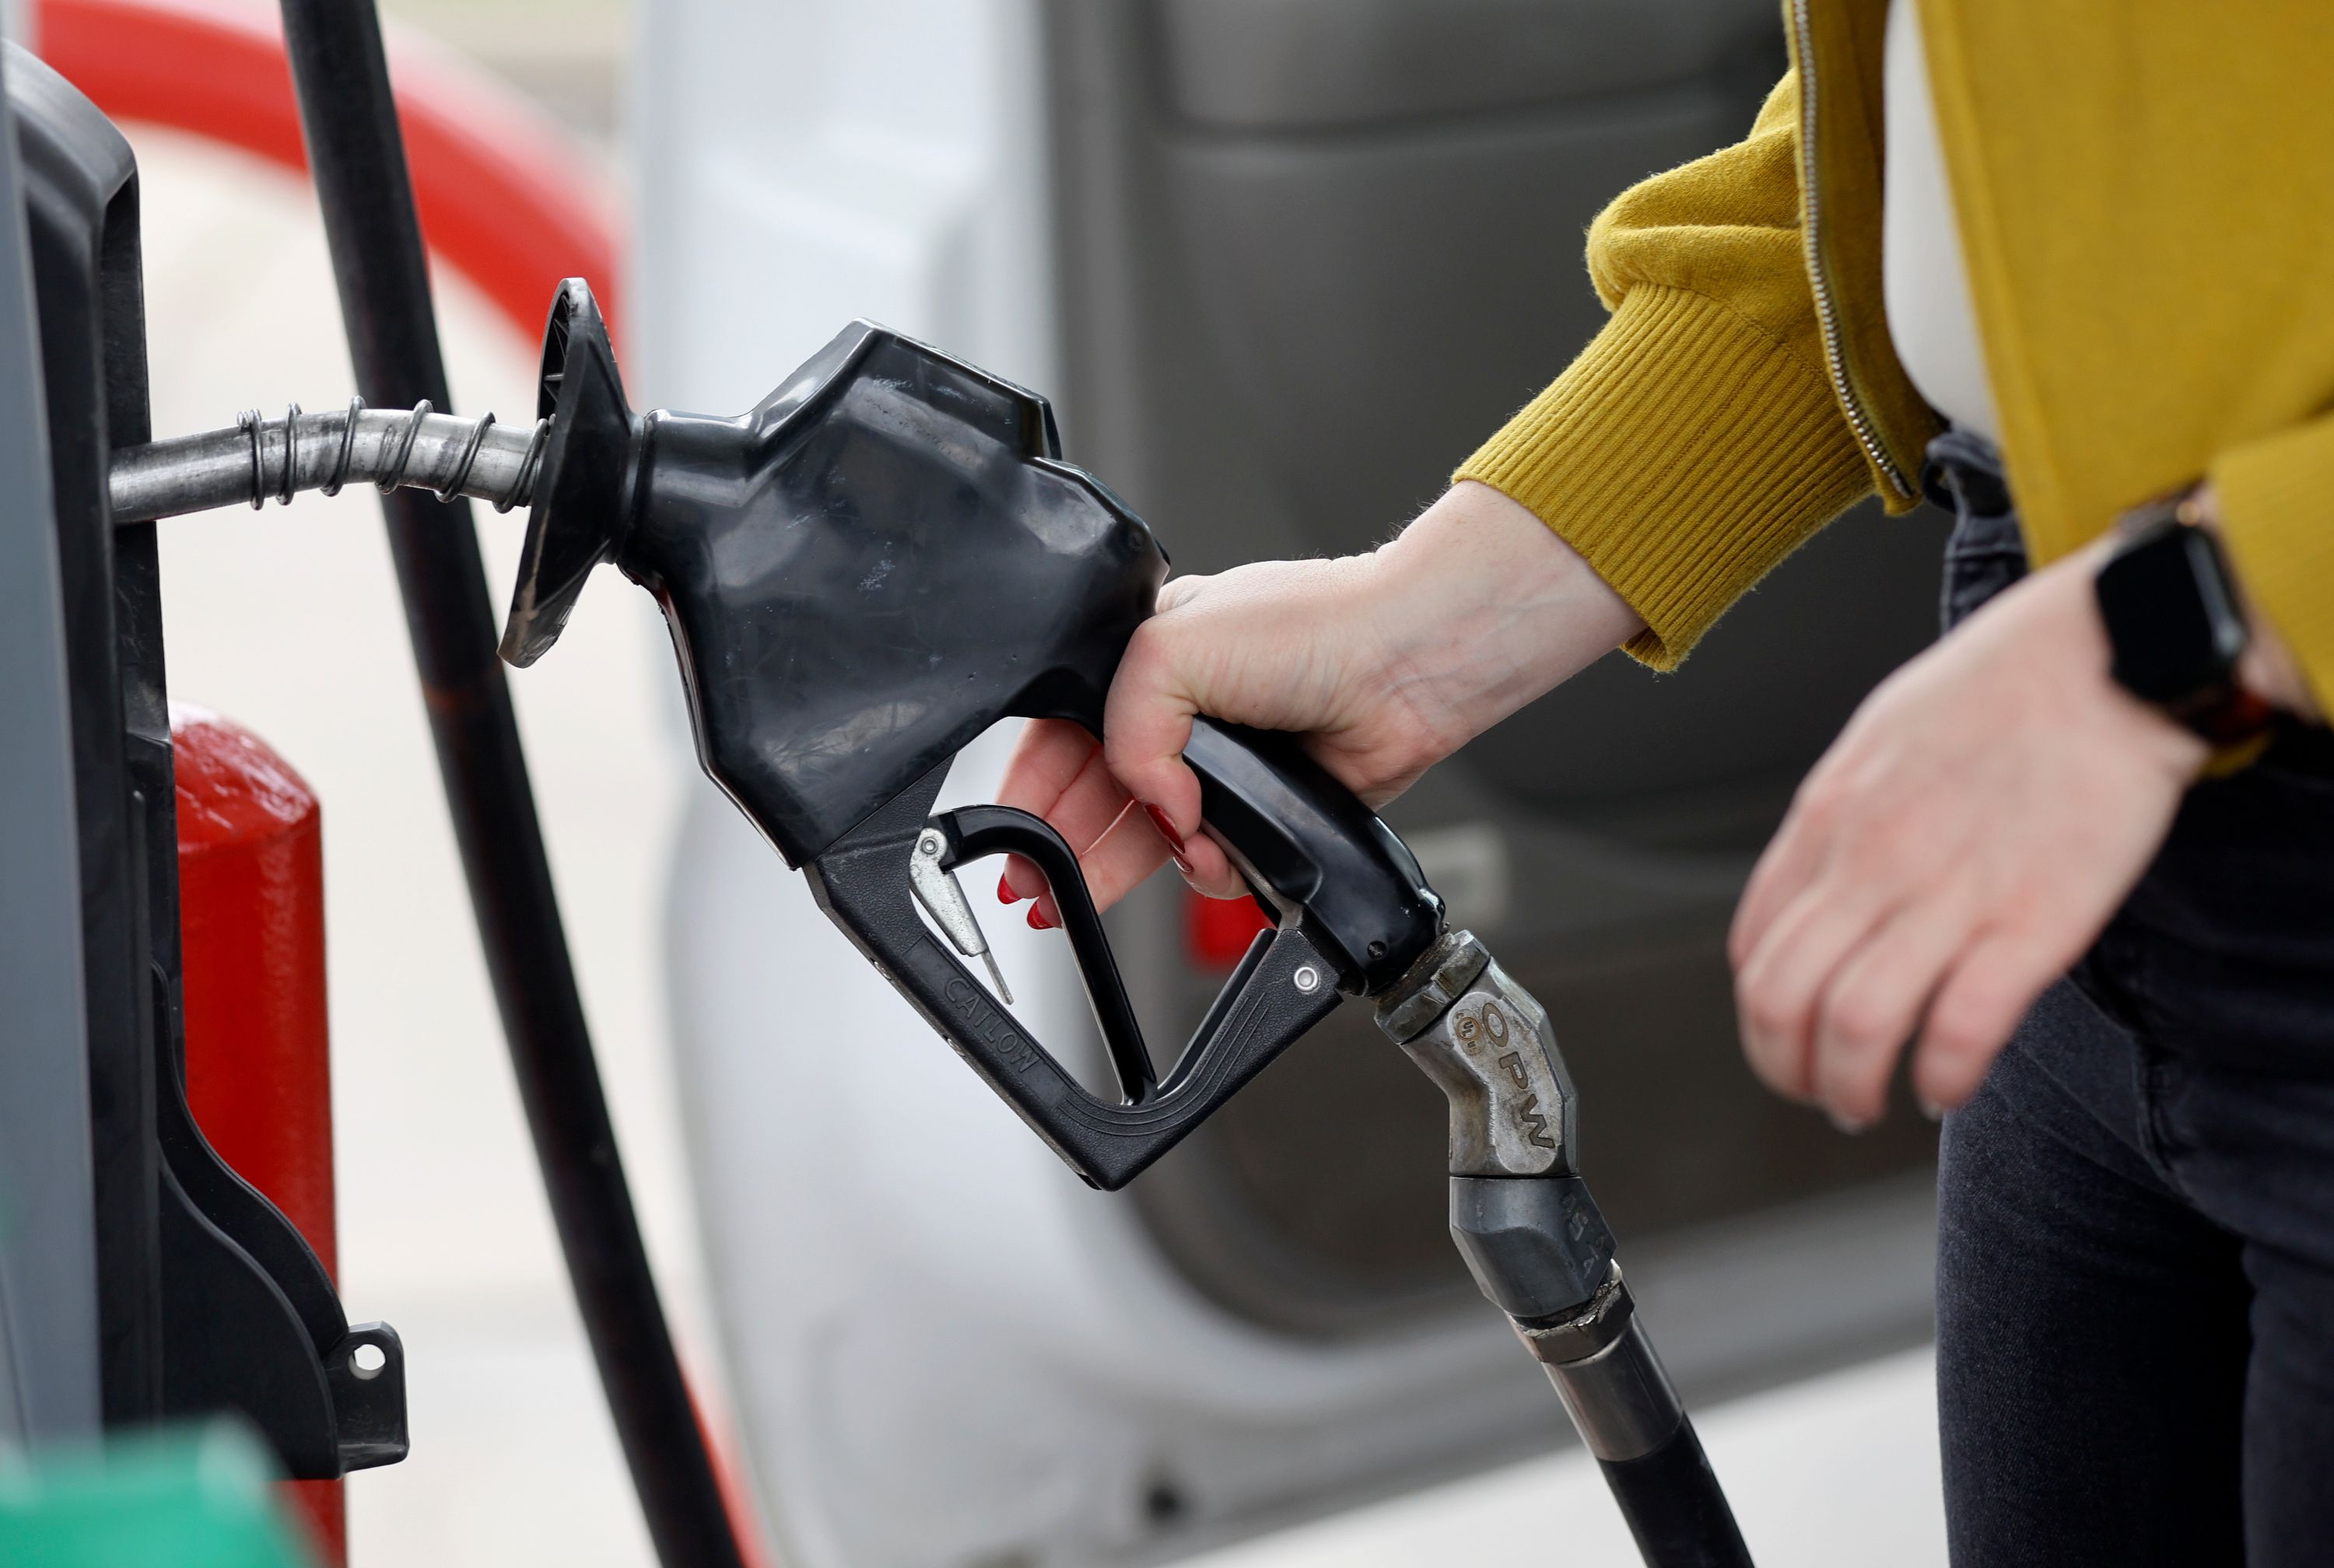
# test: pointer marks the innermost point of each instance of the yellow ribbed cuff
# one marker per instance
(2276, 500)
(1683, 454)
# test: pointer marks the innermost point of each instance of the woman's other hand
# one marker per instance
(1961, 845)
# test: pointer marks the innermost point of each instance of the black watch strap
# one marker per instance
(2175, 624)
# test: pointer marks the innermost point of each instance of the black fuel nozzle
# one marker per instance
(879, 561)
(888, 555)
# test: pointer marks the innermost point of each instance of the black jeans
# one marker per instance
(2136, 1226)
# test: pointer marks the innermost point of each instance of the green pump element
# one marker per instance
(203, 1497)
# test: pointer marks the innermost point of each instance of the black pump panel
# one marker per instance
(208, 1300)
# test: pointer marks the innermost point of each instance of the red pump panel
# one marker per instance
(251, 915)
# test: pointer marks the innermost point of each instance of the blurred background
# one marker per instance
(1280, 264)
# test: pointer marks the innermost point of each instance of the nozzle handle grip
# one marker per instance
(1278, 993)
(1314, 852)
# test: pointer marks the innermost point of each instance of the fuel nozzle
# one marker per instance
(863, 572)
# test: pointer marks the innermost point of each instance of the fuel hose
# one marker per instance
(357, 154)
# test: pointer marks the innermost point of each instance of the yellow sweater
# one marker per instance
(2145, 196)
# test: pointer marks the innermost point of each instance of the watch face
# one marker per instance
(2170, 617)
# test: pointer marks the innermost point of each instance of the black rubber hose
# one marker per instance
(1672, 1500)
(358, 157)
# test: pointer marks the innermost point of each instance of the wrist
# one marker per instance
(1486, 608)
(2079, 645)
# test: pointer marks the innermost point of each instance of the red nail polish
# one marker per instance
(1005, 893)
(1037, 922)
(1166, 830)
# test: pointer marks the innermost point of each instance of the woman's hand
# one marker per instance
(1385, 662)
(1960, 846)
(1963, 843)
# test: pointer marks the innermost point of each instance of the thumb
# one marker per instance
(1146, 724)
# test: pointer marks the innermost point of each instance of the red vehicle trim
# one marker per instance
(502, 197)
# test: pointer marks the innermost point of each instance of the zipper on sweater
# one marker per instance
(1827, 313)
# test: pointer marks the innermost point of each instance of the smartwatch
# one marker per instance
(2175, 624)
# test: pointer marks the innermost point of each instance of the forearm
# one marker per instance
(1483, 608)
